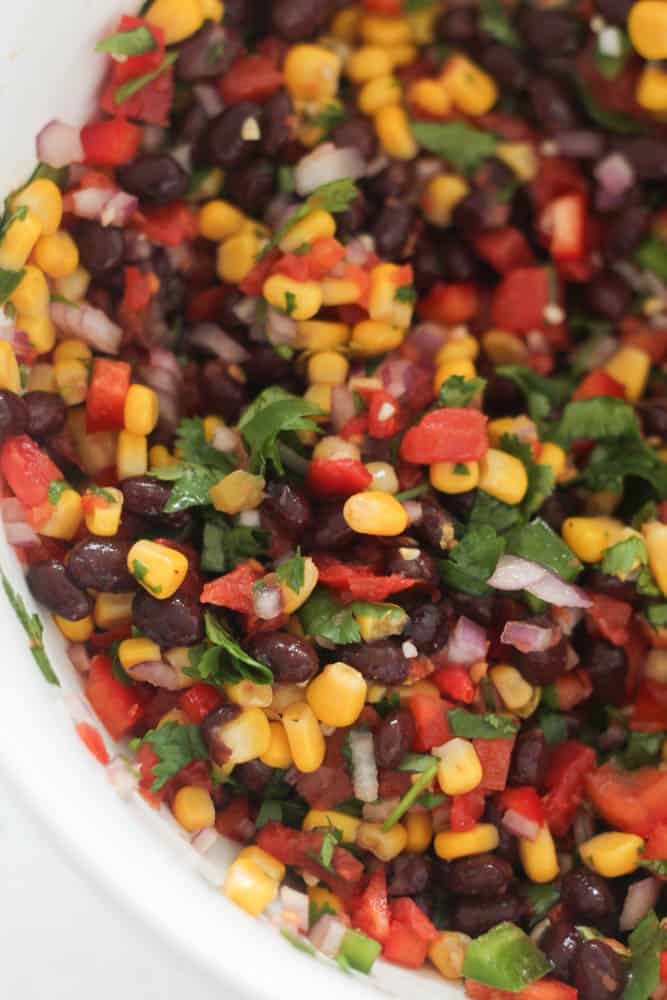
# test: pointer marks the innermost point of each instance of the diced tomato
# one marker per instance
(504, 249)
(450, 304)
(250, 78)
(234, 590)
(92, 739)
(337, 477)
(102, 640)
(556, 176)
(466, 810)
(649, 711)
(294, 266)
(140, 287)
(170, 224)
(621, 797)
(357, 582)
(253, 282)
(296, 848)
(609, 618)
(572, 688)
(454, 681)
(323, 257)
(563, 223)
(446, 435)
(390, 8)
(598, 383)
(542, 989)
(656, 845)
(525, 801)
(234, 820)
(520, 299)
(495, 757)
(28, 470)
(431, 723)
(663, 966)
(199, 700)
(404, 947)
(371, 913)
(206, 305)
(384, 415)
(110, 143)
(137, 65)
(150, 104)
(118, 707)
(637, 333)
(407, 912)
(355, 426)
(569, 764)
(105, 402)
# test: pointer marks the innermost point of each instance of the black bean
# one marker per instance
(408, 874)
(254, 775)
(51, 585)
(13, 414)
(172, 286)
(479, 875)
(251, 187)
(295, 20)
(480, 209)
(647, 155)
(550, 104)
(175, 621)
(546, 31)
(394, 737)
(356, 132)
(478, 609)
(382, 661)
(426, 263)
(392, 182)
(207, 53)
(428, 627)
(192, 127)
(353, 221)
(612, 586)
(274, 125)
(587, 895)
(545, 666)
(331, 530)
(221, 393)
(653, 414)
(291, 659)
(530, 759)
(265, 367)
(609, 295)
(415, 564)
(435, 527)
(504, 65)
(598, 972)
(101, 564)
(212, 730)
(146, 495)
(560, 943)
(101, 248)
(392, 229)
(476, 916)
(626, 231)
(46, 413)
(226, 145)
(457, 26)
(556, 509)
(502, 397)
(290, 504)
(154, 177)
(614, 11)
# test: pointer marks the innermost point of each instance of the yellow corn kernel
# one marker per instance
(371, 337)
(631, 367)
(104, 512)
(384, 477)
(238, 491)
(375, 513)
(504, 348)
(383, 619)
(218, 220)
(72, 350)
(381, 92)
(339, 292)
(134, 651)
(457, 348)
(655, 665)
(317, 225)
(72, 381)
(278, 753)
(311, 74)
(193, 808)
(337, 695)
(522, 427)
(454, 477)
(651, 92)
(647, 26)
(292, 600)
(331, 447)
(510, 685)
(402, 55)
(43, 198)
(393, 131)
(321, 898)
(385, 31)
(503, 476)
(383, 304)
(40, 377)
(271, 867)
(213, 10)
(554, 457)
(319, 395)
(66, 518)
(142, 409)
(612, 854)
(364, 383)
(237, 257)
(368, 63)
(248, 736)
(448, 952)
(18, 242)
(430, 96)
(318, 819)
(421, 687)
(211, 425)
(299, 299)
(472, 90)
(460, 769)
(249, 887)
(40, 331)
(57, 255)
(10, 374)
(247, 694)
(440, 196)
(655, 536)
(304, 736)
(158, 568)
(419, 828)
(519, 157)
(328, 368)
(31, 296)
(384, 845)
(158, 456)
(74, 286)
(482, 838)
(538, 856)
(112, 610)
(78, 631)
(178, 18)
(131, 455)
(321, 335)
(461, 366)
(589, 537)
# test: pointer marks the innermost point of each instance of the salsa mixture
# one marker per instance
(334, 435)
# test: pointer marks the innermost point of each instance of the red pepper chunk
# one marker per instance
(520, 299)
(384, 415)
(110, 143)
(371, 913)
(404, 947)
(430, 719)
(543, 989)
(450, 304)
(504, 249)
(563, 222)
(170, 224)
(300, 850)
(139, 289)
(609, 617)
(92, 740)
(570, 763)
(495, 757)
(28, 470)
(118, 707)
(599, 383)
(234, 590)
(357, 582)
(525, 801)
(454, 681)
(105, 402)
(466, 810)
(199, 700)
(337, 477)
(447, 435)
(408, 913)
(251, 78)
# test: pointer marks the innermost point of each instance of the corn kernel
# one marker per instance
(655, 535)
(383, 304)
(18, 241)
(40, 331)
(72, 381)
(43, 198)
(249, 887)
(367, 63)
(78, 631)
(370, 337)
(472, 90)
(457, 348)
(31, 296)
(141, 410)
(321, 335)
(139, 650)
(304, 736)
(317, 819)
(10, 375)
(440, 196)
(393, 131)
(510, 685)
(57, 255)
(460, 769)
(384, 845)
(430, 96)
(337, 695)
(381, 620)
(328, 368)
(651, 93)
(421, 687)
(375, 513)
(384, 477)
(538, 856)
(317, 225)
(503, 476)
(461, 366)
(178, 18)
(74, 286)
(385, 31)
(612, 854)
(504, 348)
(299, 299)
(158, 568)
(248, 736)
(292, 600)
(247, 694)
(213, 10)
(454, 477)
(193, 808)
(522, 427)
(103, 511)
(333, 447)
(72, 350)
(339, 292)
(112, 610)
(218, 220)
(278, 753)
(320, 396)
(589, 537)
(65, 519)
(519, 157)
(419, 828)
(647, 26)
(321, 897)
(402, 55)
(448, 952)
(311, 74)
(237, 257)
(381, 92)
(553, 456)
(631, 367)
(237, 491)
(131, 455)
(449, 845)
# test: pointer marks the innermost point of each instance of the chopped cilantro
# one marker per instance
(34, 629)
(495, 23)
(554, 727)
(137, 83)
(417, 762)
(473, 560)
(195, 449)
(224, 546)
(657, 866)
(642, 749)
(539, 543)
(647, 940)
(290, 303)
(598, 419)
(322, 616)
(272, 413)
(411, 796)
(622, 558)
(541, 479)
(406, 294)
(334, 197)
(208, 664)
(269, 810)
(134, 42)
(328, 117)
(176, 744)
(463, 146)
(498, 515)
(457, 391)
(286, 182)
(416, 491)
(9, 282)
(140, 572)
(292, 572)
(542, 394)
(481, 727)
(610, 66)
(56, 489)
(652, 256)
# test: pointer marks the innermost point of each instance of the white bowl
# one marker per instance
(48, 69)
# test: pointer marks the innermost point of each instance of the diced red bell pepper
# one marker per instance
(296, 848)
(357, 582)
(525, 801)
(337, 477)
(199, 700)
(28, 470)
(92, 739)
(649, 711)
(371, 913)
(105, 402)
(495, 757)
(234, 820)
(504, 249)
(110, 143)
(234, 590)
(407, 912)
(563, 222)
(145, 62)
(390, 8)
(150, 104)
(663, 966)
(556, 176)
(565, 782)
(206, 305)
(450, 304)
(253, 282)
(572, 688)
(454, 681)
(118, 707)
(404, 947)
(294, 266)
(431, 723)
(466, 810)
(323, 256)
(170, 224)
(140, 287)
(656, 845)
(598, 383)
(384, 415)
(250, 78)
(542, 989)
(446, 435)
(520, 299)
(609, 617)
(355, 427)
(632, 801)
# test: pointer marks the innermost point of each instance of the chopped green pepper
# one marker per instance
(505, 958)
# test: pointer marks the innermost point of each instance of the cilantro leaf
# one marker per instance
(412, 6)
(9, 282)
(541, 479)
(495, 23)
(286, 182)
(328, 117)
(334, 197)
(176, 745)
(270, 810)
(611, 462)
(656, 615)
(322, 616)
(195, 449)
(290, 303)
(481, 727)
(597, 419)
(406, 294)
(56, 489)
(292, 572)
(208, 664)
(34, 629)
(457, 391)
(191, 488)
(137, 83)
(417, 762)
(641, 749)
(554, 727)
(541, 899)
(487, 510)
(462, 145)
(224, 546)
(622, 558)
(273, 413)
(647, 940)
(652, 256)
(538, 543)
(128, 43)
(473, 560)
(657, 866)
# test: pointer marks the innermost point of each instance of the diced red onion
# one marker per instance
(159, 357)
(428, 338)
(614, 174)
(12, 510)
(327, 935)
(209, 98)
(59, 144)
(90, 202)
(520, 826)
(78, 656)
(580, 143)
(640, 898)
(297, 905)
(325, 164)
(20, 533)
(343, 406)
(280, 328)
(378, 812)
(364, 766)
(121, 777)
(395, 375)
(515, 573)
(159, 674)
(205, 839)
(467, 643)
(211, 337)
(357, 252)
(88, 323)
(279, 210)
(267, 601)
(553, 590)
(527, 638)
(414, 510)
(119, 209)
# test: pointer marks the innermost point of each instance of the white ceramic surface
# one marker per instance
(48, 70)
